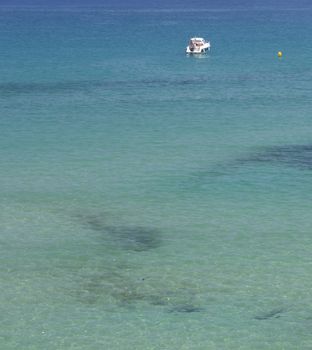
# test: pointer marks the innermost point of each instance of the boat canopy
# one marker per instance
(202, 40)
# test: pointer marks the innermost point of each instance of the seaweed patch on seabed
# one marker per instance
(16, 88)
(186, 308)
(117, 289)
(100, 287)
(297, 156)
(115, 285)
(135, 238)
(275, 313)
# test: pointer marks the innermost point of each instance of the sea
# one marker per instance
(150, 199)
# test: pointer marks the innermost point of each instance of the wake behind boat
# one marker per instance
(197, 45)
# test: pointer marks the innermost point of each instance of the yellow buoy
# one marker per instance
(280, 54)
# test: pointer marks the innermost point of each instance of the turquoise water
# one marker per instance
(151, 200)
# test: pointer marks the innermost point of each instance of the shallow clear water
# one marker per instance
(152, 200)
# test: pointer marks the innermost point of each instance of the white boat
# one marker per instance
(197, 45)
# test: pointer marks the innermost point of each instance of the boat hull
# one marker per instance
(200, 50)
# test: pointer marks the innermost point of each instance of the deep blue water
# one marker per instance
(152, 200)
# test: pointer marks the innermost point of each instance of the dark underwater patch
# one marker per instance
(115, 283)
(95, 222)
(97, 289)
(275, 313)
(298, 156)
(186, 308)
(17, 88)
(135, 238)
